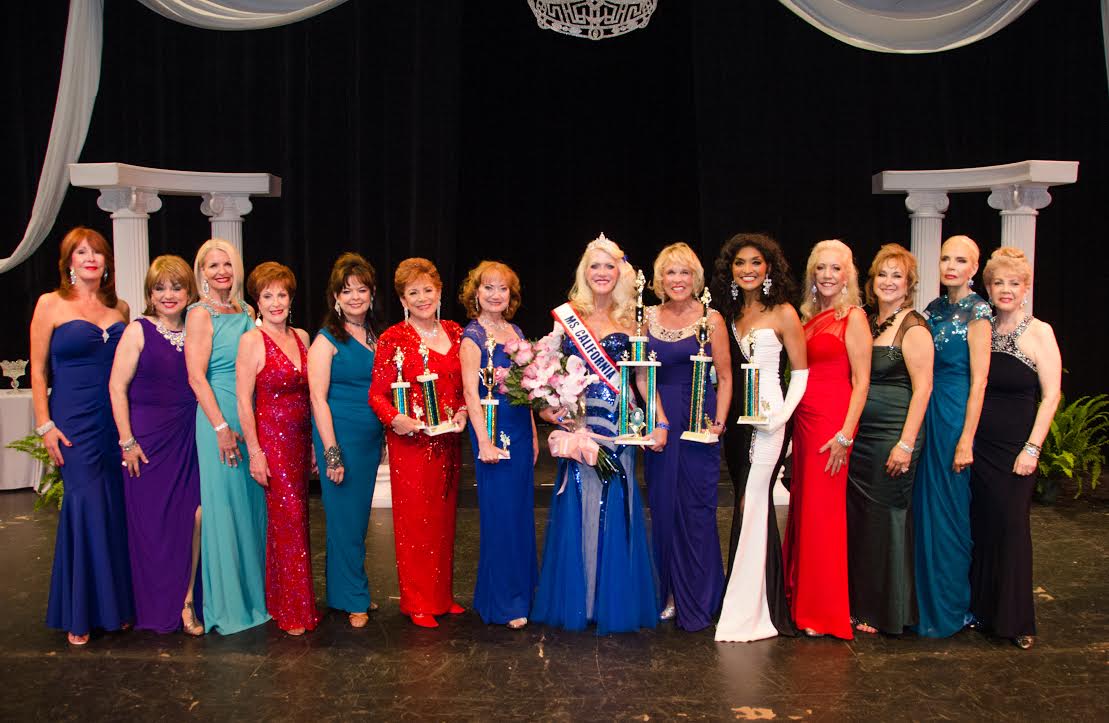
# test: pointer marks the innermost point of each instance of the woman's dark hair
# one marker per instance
(347, 265)
(782, 290)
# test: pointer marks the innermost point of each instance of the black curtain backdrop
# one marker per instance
(458, 130)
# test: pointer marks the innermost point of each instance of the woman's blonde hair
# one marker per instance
(810, 305)
(218, 244)
(1007, 259)
(677, 254)
(897, 254)
(970, 244)
(623, 294)
(173, 269)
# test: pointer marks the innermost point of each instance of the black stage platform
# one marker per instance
(392, 670)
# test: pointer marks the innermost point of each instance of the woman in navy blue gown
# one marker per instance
(682, 479)
(507, 570)
(959, 320)
(596, 561)
(74, 333)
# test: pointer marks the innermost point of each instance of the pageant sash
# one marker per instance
(591, 350)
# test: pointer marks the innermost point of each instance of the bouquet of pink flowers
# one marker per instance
(542, 376)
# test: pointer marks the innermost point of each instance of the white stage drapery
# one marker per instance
(239, 14)
(920, 26)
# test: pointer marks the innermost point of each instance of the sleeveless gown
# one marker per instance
(347, 505)
(1001, 566)
(879, 514)
(423, 470)
(162, 500)
(233, 517)
(507, 569)
(815, 548)
(681, 486)
(596, 562)
(284, 422)
(941, 496)
(755, 604)
(90, 583)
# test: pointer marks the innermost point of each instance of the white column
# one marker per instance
(1018, 204)
(130, 209)
(926, 237)
(226, 211)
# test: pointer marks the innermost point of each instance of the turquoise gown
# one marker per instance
(233, 520)
(347, 506)
(941, 497)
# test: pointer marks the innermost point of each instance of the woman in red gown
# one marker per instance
(838, 343)
(271, 375)
(423, 469)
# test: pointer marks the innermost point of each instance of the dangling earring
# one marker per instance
(438, 309)
(766, 284)
(105, 273)
(370, 310)
(339, 310)
(258, 321)
(406, 313)
(970, 284)
(735, 289)
(1024, 302)
(204, 287)
(477, 305)
(72, 277)
(843, 291)
(814, 293)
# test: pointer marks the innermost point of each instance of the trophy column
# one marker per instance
(635, 424)
(435, 425)
(700, 426)
(489, 405)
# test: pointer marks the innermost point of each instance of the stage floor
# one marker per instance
(392, 670)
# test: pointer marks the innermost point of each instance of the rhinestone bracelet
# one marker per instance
(128, 444)
(843, 440)
(907, 448)
(333, 455)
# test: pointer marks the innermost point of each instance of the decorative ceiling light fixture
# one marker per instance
(593, 19)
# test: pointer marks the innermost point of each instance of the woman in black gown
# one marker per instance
(1024, 363)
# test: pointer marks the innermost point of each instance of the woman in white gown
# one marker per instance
(754, 286)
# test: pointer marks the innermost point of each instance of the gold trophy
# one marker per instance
(489, 404)
(700, 425)
(435, 425)
(636, 424)
(754, 407)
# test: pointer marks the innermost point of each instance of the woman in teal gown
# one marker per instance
(233, 506)
(959, 321)
(346, 434)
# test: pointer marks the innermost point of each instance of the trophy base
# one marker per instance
(701, 437)
(441, 428)
(754, 421)
(505, 454)
(633, 440)
(634, 363)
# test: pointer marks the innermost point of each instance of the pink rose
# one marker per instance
(524, 355)
(500, 374)
(511, 347)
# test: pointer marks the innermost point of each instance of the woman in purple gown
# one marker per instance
(74, 334)
(682, 478)
(154, 409)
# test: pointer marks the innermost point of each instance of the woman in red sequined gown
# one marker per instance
(272, 372)
(838, 346)
(423, 469)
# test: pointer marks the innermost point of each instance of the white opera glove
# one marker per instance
(798, 380)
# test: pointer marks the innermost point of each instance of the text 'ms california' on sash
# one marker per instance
(591, 350)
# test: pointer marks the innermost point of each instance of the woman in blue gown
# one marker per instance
(959, 321)
(346, 434)
(682, 479)
(596, 560)
(74, 333)
(233, 506)
(507, 569)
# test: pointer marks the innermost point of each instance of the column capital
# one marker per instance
(926, 204)
(226, 206)
(129, 202)
(1019, 198)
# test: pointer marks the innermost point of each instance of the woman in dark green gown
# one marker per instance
(887, 446)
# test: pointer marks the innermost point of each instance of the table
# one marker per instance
(17, 419)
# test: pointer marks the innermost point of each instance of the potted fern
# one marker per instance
(1074, 447)
(50, 487)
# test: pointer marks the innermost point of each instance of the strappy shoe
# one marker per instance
(358, 620)
(77, 640)
(810, 633)
(517, 623)
(863, 627)
(424, 620)
(1024, 642)
(668, 613)
(189, 623)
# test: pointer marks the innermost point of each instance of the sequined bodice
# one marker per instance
(600, 401)
(949, 323)
(281, 390)
(1007, 343)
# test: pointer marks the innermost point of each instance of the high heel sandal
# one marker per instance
(359, 620)
(77, 640)
(863, 627)
(668, 613)
(189, 623)
(1024, 642)
(517, 623)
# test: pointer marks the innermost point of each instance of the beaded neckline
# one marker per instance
(663, 334)
(1007, 343)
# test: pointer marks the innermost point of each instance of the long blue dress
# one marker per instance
(347, 506)
(233, 516)
(596, 560)
(681, 487)
(941, 497)
(90, 585)
(507, 569)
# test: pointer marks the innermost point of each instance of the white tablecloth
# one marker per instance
(17, 420)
